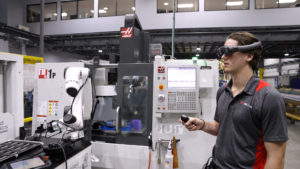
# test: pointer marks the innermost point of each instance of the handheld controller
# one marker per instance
(184, 118)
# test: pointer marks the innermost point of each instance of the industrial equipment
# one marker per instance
(150, 98)
(11, 97)
(72, 121)
(183, 87)
(178, 87)
(58, 96)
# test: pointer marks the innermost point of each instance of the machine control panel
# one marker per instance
(176, 88)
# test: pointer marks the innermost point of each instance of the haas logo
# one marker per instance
(126, 32)
(44, 73)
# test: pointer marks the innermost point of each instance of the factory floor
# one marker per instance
(292, 154)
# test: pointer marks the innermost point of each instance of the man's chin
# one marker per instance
(227, 71)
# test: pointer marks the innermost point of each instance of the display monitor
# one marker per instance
(29, 163)
(181, 78)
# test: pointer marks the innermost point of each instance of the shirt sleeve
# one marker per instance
(274, 124)
(219, 92)
(216, 118)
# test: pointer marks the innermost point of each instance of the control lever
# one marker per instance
(184, 118)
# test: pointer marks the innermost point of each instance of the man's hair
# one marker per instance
(246, 38)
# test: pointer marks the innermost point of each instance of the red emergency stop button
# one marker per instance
(161, 87)
(164, 108)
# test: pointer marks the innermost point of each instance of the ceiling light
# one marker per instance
(64, 14)
(102, 11)
(286, 54)
(235, 3)
(92, 11)
(197, 55)
(55, 14)
(133, 8)
(100, 51)
(185, 5)
(166, 3)
(286, 1)
(198, 49)
(105, 8)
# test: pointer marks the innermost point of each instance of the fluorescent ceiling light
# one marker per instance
(92, 11)
(100, 51)
(64, 14)
(166, 3)
(185, 5)
(198, 49)
(197, 55)
(102, 11)
(235, 3)
(55, 14)
(286, 1)
(105, 8)
(133, 8)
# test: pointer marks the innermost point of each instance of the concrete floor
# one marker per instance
(292, 155)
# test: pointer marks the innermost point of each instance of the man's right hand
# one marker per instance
(192, 124)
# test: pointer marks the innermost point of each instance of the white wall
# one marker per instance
(147, 12)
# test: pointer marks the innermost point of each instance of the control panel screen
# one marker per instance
(182, 78)
(29, 163)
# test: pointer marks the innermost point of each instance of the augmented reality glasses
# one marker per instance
(229, 50)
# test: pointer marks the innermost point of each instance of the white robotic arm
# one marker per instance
(75, 78)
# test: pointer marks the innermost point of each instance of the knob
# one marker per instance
(161, 97)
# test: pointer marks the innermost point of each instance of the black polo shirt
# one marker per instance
(246, 121)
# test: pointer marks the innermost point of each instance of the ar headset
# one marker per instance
(228, 50)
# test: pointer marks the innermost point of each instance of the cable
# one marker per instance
(64, 153)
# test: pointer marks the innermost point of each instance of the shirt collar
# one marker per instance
(250, 86)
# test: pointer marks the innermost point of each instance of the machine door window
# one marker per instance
(134, 104)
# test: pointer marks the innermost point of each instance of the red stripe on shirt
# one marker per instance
(261, 85)
(261, 154)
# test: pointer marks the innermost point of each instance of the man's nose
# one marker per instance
(224, 57)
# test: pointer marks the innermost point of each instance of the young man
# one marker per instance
(249, 121)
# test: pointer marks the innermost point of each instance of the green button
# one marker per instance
(158, 108)
(158, 78)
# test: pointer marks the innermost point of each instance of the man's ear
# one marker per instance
(250, 57)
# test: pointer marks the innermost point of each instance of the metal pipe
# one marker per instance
(42, 28)
(173, 30)
(109, 65)
(4, 63)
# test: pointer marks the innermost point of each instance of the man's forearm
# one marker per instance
(211, 128)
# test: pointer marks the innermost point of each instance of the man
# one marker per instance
(249, 121)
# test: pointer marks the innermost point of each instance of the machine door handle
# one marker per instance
(117, 120)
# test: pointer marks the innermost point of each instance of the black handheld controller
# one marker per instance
(184, 118)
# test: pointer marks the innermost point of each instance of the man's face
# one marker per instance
(236, 61)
